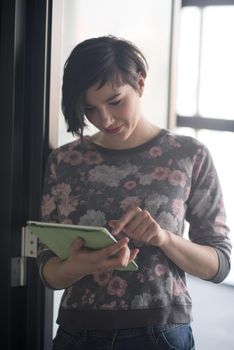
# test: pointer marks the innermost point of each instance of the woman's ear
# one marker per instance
(141, 84)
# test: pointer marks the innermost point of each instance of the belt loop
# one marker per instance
(114, 336)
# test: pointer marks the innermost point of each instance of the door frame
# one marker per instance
(25, 33)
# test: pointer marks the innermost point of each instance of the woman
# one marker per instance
(141, 182)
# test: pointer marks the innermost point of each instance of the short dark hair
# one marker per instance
(103, 59)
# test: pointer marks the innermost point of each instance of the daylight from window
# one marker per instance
(206, 56)
(217, 68)
(188, 62)
(206, 85)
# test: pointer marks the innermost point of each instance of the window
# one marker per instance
(205, 86)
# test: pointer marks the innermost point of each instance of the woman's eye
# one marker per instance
(89, 109)
(115, 103)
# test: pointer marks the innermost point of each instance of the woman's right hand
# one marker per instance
(81, 262)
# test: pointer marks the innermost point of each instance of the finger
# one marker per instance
(123, 256)
(139, 225)
(76, 245)
(133, 254)
(116, 261)
(149, 234)
(146, 228)
(125, 219)
(126, 256)
(113, 223)
(112, 249)
(134, 224)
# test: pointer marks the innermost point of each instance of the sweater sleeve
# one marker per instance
(206, 212)
(48, 213)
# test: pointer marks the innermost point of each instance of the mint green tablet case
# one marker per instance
(58, 238)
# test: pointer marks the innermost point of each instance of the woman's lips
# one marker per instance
(113, 130)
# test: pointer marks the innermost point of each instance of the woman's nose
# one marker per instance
(106, 117)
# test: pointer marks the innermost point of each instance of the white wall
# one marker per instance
(147, 24)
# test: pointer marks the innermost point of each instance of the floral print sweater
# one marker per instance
(171, 176)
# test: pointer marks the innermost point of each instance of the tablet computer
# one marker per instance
(58, 237)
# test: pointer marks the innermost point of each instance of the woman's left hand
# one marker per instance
(138, 224)
(195, 259)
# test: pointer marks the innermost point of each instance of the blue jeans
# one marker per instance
(176, 337)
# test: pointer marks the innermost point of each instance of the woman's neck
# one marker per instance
(143, 133)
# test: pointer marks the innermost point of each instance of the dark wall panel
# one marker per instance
(24, 91)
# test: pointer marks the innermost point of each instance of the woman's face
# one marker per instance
(114, 110)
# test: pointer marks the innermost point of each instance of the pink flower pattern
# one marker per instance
(130, 185)
(93, 158)
(177, 207)
(111, 306)
(178, 287)
(168, 177)
(62, 190)
(88, 297)
(160, 270)
(155, 151)
(102, 278)
(73, 157)
(67, 205)
(117, 286)
(130, 202)
(48, 205)
(161, 173)
(177, 178)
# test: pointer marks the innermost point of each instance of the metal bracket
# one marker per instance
(19, 263)
(29, 244)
